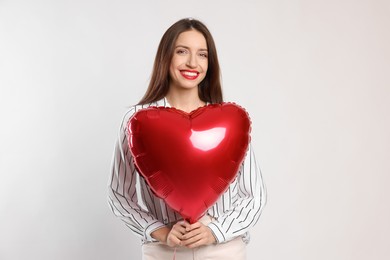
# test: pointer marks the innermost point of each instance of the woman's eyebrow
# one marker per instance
(186, 47)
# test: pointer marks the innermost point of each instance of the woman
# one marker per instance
(185, 76)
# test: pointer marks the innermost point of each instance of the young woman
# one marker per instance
(186, 76)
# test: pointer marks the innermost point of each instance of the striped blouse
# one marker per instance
(131, 199)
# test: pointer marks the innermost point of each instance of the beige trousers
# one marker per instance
(232, 250)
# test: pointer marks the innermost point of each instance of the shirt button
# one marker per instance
(165, 221)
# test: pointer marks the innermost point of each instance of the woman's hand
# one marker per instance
(185, 234)
(197, 235)
(176, 234)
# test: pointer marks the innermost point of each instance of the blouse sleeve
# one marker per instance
(122, 193)
(247, 209)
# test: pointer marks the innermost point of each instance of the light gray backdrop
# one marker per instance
(314, 75)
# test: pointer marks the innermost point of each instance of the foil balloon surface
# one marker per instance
(189, 159)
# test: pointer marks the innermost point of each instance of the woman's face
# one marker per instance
(190, 60)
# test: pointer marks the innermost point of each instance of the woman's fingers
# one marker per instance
(190, 227)
(180, 227)
(173, 241)
(174, 237)
(192, 239)
(176, 234)
(198, 236)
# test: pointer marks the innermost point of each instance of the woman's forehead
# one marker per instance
(191, 39)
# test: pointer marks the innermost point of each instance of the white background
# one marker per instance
(314, 76)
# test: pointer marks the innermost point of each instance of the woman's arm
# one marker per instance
(247, 209)
(122, 193)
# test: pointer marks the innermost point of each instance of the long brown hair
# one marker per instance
(209, 89)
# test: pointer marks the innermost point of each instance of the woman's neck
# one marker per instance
(186, 100)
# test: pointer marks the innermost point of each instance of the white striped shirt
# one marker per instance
(131, 199)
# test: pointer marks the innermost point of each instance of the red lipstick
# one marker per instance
(189, 74)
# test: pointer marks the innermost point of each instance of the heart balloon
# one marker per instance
(189, 159)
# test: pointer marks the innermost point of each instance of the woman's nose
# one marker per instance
(192, 61)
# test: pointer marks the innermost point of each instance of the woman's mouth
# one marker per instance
(189, 74)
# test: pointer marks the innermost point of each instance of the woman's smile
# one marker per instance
(189, 74)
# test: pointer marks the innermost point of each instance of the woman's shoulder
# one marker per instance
(135, 108)
(159, 103)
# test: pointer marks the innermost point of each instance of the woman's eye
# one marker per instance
(204, 55)
(181, 51)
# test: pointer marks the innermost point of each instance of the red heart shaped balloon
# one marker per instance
(189, 159)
